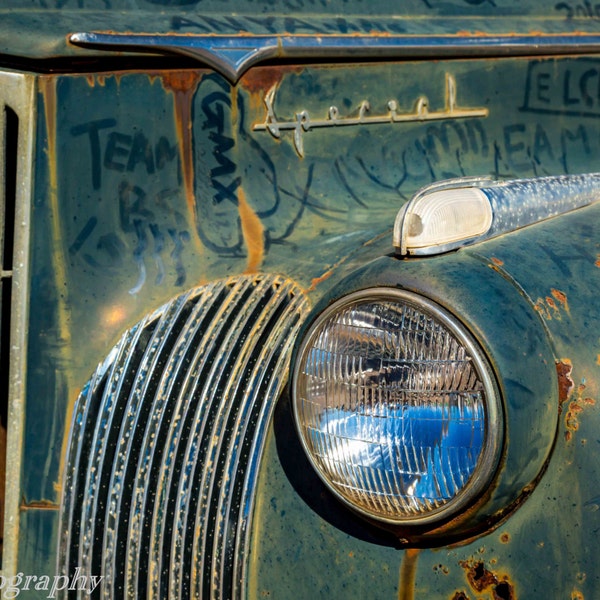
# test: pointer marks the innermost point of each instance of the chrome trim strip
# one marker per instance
(18, 92)
(232, 55)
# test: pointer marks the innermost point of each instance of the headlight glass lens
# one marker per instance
(396, 407)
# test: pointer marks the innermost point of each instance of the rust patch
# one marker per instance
(561, 298)
(505, 538)
(577, 595)
(483, 580)
(497, 261)
(478, 576)
(576, 407)
(460, 596)
(551, 307)
(183, 86)
(564, 368)
(253, 233)
(503, 591)
(597, 263)
(262, 79)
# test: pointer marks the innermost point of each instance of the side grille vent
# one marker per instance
(166, 439)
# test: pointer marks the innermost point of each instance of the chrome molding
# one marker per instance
(167, 437)
(18, 92)
(232, 55)
(302, 121)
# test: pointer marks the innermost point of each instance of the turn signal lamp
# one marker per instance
(459, 212)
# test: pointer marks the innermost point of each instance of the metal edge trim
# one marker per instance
(233, 55)
(18, 91)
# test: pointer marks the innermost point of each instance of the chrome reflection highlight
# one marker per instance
(396, 407)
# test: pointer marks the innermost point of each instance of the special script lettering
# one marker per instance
(302, 122)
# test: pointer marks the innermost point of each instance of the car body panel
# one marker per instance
(152, 181)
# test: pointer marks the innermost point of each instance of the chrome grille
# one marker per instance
(166, 439)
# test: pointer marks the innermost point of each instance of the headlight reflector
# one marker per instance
(396, 407)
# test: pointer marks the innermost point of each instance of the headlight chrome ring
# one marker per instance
(397, 407)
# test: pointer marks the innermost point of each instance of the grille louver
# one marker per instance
(166, 440)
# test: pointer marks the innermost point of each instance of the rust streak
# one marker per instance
(408, 573)
(183, 86)
(497, 261)
(253, 233)
(38, 505)
(317, 280)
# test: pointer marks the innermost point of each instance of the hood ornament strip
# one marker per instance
(232, 55)
(303, 123)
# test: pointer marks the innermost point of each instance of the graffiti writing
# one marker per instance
(149, 227)
(576, 91)
(222, 143)
(585, 10)
(291, 25)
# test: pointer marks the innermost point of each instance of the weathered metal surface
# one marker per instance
(148, 184)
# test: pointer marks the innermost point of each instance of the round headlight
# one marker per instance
(397, 407)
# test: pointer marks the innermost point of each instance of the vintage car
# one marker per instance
(300, 299)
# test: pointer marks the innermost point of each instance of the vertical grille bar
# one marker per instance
(166, 441)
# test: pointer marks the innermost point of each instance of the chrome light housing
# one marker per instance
(397, 407)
